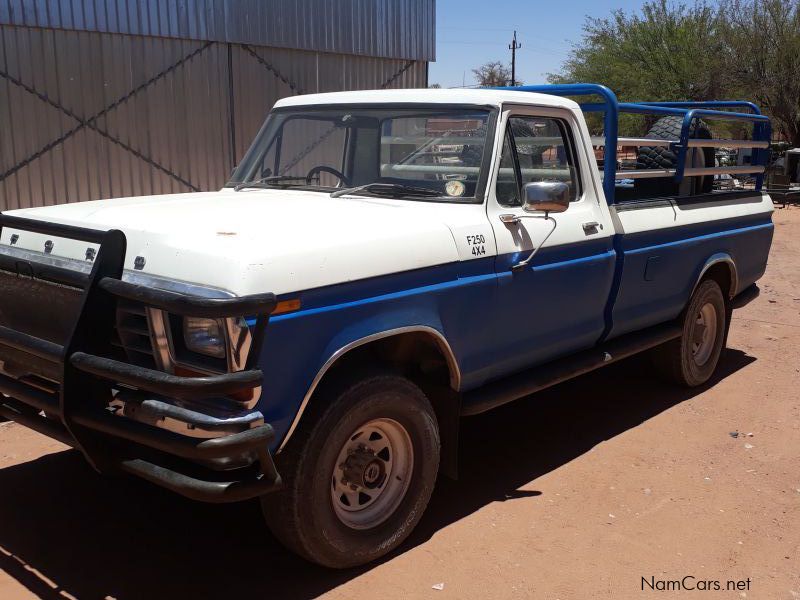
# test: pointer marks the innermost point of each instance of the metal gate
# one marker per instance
(87, 115)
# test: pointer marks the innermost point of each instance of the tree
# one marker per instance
(667, 51)
(435, 86)
(746, 49)
(492, 74)
(763, 57)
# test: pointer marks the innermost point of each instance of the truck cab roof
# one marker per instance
(487, 97)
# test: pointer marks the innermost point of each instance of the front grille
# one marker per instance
(49, 310)
(38, 307)
(133, 334)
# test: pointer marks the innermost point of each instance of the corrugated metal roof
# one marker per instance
(385, 28)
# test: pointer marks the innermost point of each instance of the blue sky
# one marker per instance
(472, 32)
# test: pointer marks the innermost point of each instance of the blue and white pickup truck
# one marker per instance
(381, 264)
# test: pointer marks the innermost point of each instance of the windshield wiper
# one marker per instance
(388, 189)
(268, 181)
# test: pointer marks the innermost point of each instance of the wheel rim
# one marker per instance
(372, 473)
(704, 334)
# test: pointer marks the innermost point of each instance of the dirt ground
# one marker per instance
(579, 492)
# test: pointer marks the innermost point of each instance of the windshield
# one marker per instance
(429, 152)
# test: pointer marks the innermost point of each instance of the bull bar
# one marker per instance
(77, 412)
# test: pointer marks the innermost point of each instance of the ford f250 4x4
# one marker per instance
(380, 264)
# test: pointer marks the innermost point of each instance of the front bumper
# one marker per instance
(81, 395)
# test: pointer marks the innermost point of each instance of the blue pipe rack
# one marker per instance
(611, 107)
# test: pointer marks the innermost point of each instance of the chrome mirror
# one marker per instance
(539, 196)
(545, 196)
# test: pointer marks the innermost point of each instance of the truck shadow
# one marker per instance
(65, 529)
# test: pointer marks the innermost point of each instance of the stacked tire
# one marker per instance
(663, 157)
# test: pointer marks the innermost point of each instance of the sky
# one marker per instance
(470, 33)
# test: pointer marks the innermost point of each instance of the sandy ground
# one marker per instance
(579, 492)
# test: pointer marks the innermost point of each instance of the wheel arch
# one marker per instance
(349, 350)
(722, 268)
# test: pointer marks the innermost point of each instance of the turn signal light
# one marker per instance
(285, 306)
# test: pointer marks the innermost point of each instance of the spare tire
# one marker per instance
(662, 157)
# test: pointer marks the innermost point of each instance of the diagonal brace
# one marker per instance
(272, 69)
(90, 122)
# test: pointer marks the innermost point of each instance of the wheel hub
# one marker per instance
(704, 334)
(363, 469)
(372, 473)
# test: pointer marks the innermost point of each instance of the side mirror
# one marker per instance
(547, 196)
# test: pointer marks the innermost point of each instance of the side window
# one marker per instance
(543, 150)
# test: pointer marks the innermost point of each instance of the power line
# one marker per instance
(541, 50)
(467, 42)
(537, 49)
(503, 29)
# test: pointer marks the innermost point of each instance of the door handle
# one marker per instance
(591, 227)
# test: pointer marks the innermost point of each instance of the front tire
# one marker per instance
(359, 475)
(691, 359)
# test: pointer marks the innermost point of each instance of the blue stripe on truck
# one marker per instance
(661, 271)
(477, 305)
(460, 300)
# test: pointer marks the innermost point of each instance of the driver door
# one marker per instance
(556, 304)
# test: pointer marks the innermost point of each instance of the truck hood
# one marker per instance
(257, 240)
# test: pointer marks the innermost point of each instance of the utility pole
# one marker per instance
(514, 46)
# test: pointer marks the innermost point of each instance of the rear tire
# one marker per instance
(691, 359)
(359, 475)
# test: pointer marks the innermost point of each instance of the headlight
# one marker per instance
(204, 336)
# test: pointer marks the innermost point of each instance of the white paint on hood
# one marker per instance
(259, 240)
